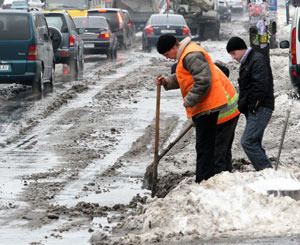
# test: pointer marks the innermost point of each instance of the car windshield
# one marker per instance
(90, 22)
(14, 27)
(167, 20)
(57, 21)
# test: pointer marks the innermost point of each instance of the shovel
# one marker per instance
(288, 112)
(148, 177)
(295, 194)
(156, 160)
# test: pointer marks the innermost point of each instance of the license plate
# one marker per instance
(4, 67)
(89, 45)
(168, 31)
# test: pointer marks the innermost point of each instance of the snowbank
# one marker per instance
(229, 204)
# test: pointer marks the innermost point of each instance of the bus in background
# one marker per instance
(74, 7)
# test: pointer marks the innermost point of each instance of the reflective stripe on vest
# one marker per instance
(231, 109)
(216, 95)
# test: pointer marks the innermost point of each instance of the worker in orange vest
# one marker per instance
(226, 124)
(203, 95)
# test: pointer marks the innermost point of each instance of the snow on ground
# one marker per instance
(227, 204)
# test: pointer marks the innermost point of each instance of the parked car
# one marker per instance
(225, 11)
(97, 36)
(117, 22)
(26, 53)
(159, 24)
(70, 52)
(294, 51)
(129, 22)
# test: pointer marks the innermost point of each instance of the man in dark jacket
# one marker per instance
(256, 98)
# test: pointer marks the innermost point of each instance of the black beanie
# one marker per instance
(165, 43)
(235, 43)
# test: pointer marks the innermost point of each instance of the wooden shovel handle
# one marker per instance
(156, 158)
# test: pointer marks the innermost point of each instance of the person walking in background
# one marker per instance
(256, 98)
(202, 92)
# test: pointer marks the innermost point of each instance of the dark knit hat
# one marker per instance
(165, 43)
(235, 43)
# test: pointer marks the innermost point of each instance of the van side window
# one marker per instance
(39, 29)
(44, 28)
(14, 26)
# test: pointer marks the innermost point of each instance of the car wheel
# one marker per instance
(211, 31)
(146, 47)
(125, 43)
(110, 54)
(37, 86)
(131, 40)
(52, 79)
(143, 45)
(149, 48)
(115, 53)
(74, 68)
(48, 86)
(81, 67)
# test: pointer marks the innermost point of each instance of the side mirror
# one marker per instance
(284, 44)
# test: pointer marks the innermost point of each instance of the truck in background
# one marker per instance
(140, 11)
(202, 16)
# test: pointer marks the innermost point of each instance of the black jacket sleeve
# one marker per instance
(260, 77)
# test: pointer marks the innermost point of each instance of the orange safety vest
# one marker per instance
(231, 109)
(216, 95)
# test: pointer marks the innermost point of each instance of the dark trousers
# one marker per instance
(224, 140)
(206, 126)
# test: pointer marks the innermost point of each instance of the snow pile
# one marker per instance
(230, 204)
